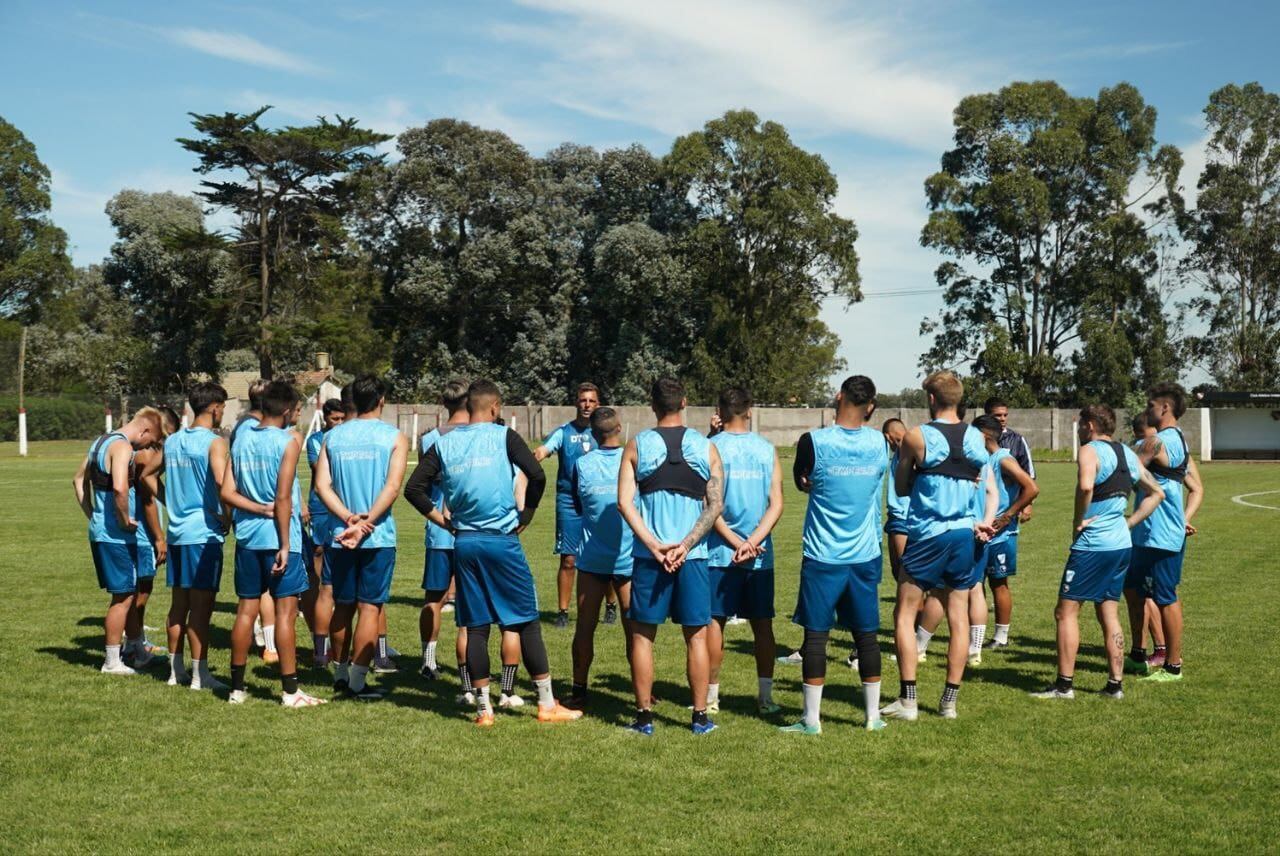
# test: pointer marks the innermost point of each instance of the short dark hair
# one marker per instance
(605, 422)
(988, 424)
(1102, 417)
(454, 395)
(481, 390)
(255, 393)
(884, 429)
(205, 395)
(346, 396)
(1173, 393)
(666, 395)
(278, 398)
(858, 389)
(366, 391)
(734, 401)
(333, 405)
(992, 403)
(586, 386)
(1139, 422)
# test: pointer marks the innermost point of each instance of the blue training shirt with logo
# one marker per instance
(842, 520)
(104, 528)
(606, 542)
(1166, 529)
(255, 461)
(668, 515)
(359, 452)
(195, 512)
(941, 503)
(569, 443)
(476, 478)
(437, 538)
(1110, 530)
(747, 459)
(1008, 491)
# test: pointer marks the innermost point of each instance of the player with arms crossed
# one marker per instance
(1100, 547)
(670, 492)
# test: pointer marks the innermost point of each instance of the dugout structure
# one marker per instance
(1240, 426)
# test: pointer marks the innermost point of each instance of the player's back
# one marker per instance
(747, 459)
(476, 478)
(842, 520)
(359, 452)
(672, 468)
(942, 493)
(194, 509)
(1118, 471)
(255, 461)
(606, 539)
(104, 527)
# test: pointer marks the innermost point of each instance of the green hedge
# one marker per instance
(51, 419)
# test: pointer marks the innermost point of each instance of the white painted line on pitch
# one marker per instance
(1241, 500)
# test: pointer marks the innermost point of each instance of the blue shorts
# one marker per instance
(568, 527)
(253, 574)
(146, 560)
(437, 570)
(1094, 575)
(326, 568)
(321, 529)
(494, 583)
(1002, 559)
(839, 594)
(360, 576)
(117, 566)
(945, 560)
(684, 597)
(1156, 573)
(744, 592)
(195, 566)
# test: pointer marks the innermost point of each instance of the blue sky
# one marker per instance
(103, 90)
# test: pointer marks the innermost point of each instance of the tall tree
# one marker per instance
(1234, 234)
(765, 249)
(1037, 209)
(286, 186)
(33, 251)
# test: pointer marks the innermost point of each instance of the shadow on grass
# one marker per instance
(87, 653)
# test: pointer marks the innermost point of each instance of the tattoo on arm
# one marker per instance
(713, 507)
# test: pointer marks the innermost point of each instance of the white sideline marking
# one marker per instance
(1241, 500)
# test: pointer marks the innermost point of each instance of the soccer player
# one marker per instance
(195, 463)
(102, 486)
(1100, 547)
(152, 545)
(670, 492)
(438, 570)
(359, 473)
(264, 628)
(740, 546)
(895, 524)
(604, 553)
(261, 486)
(841, 467)
(1142, 431)
(570, 441)
(939, 465)
(472, 465)
(317, 603)
(1160, 541)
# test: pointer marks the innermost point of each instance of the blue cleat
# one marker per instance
(638, 727)
(702, 727)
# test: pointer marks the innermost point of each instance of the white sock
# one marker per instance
(200, 673)
(977, 632)
(177, 669)
(113, 655)
(342, 672)
(269, 634)
(764, 689)
(871, 700)
(483, 704)
(1002, 633)
(545, 697)
(356, 681)
(922, 638)
(429, 655)
(713, 693)
(812, 703)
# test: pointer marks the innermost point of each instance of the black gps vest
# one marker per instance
(955, 465)
(100, 478)
(1120, 482)
(1178, 473)
(674, 474)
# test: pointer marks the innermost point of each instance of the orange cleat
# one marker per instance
(557, 713)
(484, 720)
(270, 656)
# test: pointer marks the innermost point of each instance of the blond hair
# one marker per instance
(157, 418)
(945, 387)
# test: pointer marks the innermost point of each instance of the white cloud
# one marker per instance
(238, 47)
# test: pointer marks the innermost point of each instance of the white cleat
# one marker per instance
(852, 662)
(906, 711)
(466, 699)
(179, 679)
(792, 659)
(975, 658)
(947, 710)
(507, 702)
(301, 699)
(1054, 693)
(922, 656)
(208, 682)
(733, 619)
(118, 669)
(259, 638)
(238, 697)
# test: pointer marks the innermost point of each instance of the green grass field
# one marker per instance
(106, 764)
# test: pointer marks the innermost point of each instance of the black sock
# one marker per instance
(1063, 684)
(1113, 686)
(1173, 668)
(1139, 655)
(464, 675)
(289, 683)
(508, 678)
(950, 693)
(237, 677)
(644, 716)
(564, 612)
(699, 717)
(578, 691)
(907, 690)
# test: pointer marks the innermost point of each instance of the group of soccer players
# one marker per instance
(668, 525)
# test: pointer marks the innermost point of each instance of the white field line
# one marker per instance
(1241, 499)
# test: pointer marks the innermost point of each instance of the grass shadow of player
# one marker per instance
(670, 697)
(1006, 676)
(86, 652)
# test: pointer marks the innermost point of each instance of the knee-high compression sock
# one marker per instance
(868, 648)
(813, 654)
(478, 652)
(532, 648)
